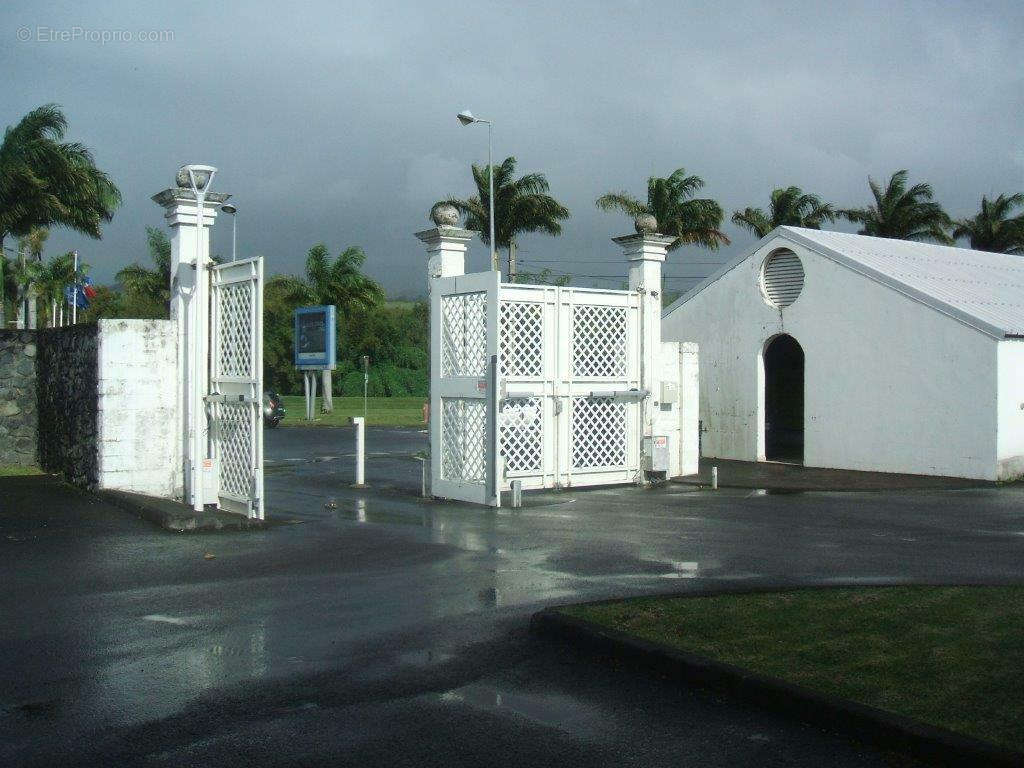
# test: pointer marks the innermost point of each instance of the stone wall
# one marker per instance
(18, 422)
(68, 402)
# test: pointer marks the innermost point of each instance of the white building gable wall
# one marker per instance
(1010, 440)
(890, 384)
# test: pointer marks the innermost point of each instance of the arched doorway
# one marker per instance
(784, 400)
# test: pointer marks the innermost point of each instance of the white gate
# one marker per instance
(464, 349)
(533, 383)
(570, 368)
(235, 401)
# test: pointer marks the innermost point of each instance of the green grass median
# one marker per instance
(947, 656)
(381, 412)
(18, 471)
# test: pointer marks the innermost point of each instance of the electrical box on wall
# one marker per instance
(669, 392)
(656, 453)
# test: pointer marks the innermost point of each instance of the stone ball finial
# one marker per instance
(182, 179)
(645, 224)
(444, 215)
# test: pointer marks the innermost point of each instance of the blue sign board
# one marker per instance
(315, 343)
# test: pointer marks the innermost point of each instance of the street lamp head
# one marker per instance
(466, 117)
(196, 177)
(229, 208)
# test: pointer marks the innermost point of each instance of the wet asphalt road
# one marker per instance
(373, 628)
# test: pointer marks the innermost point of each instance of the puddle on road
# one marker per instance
(775, 492)
(551, 709)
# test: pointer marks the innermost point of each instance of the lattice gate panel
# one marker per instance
(599, 341)
(464, 334)
(521, 432)
(234, 347)
(463, 431)
(598, 433)
(521, 343)
(235, 441)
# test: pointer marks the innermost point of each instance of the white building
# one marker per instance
(864, 353)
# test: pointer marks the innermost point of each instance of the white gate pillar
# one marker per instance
(446, 243)
(190, 316)
(646, 252)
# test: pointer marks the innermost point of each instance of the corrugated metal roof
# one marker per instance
(983, 290)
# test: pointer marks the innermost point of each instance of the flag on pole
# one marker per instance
(83, 295)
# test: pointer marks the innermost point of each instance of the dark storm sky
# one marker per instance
(335, 122)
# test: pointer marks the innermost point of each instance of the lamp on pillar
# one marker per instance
(188, 216)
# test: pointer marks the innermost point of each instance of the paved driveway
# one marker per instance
(375, 628)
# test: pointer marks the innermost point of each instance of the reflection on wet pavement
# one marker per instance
(380, 588)
(551, 709)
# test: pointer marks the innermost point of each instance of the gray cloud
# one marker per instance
(336, 123)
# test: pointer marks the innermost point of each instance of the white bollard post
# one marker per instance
(359, 423)
(714, 478)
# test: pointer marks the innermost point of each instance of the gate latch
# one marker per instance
(621, 394)
(219, 398)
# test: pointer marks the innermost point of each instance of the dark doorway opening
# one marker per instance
(784, 400)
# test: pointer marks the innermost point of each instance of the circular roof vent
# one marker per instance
(782, 278)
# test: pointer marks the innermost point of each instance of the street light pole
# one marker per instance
(466, 118)
(229, 208)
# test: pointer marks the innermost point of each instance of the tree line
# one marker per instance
(897, 210)
(46, 181)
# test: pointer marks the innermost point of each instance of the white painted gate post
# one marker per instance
(182, 215)
(646, 252)
(446, 257)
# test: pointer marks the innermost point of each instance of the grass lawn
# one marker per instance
(381, 411)
(948, 656)
(19, 471)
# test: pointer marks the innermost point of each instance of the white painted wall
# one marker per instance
(890, 384)
(139, 422)
(1010, 440)
(689, 408)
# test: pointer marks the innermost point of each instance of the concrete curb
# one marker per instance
(937, 746)
(175, 516)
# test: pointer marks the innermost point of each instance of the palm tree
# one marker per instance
(671, 201)
(46, 181)
(32, 243)
(150, 288)
(993, 229)
(789, 206)
(520, 205)
(340, 282)
(901, 213)
(54, 278)
(25, 273)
